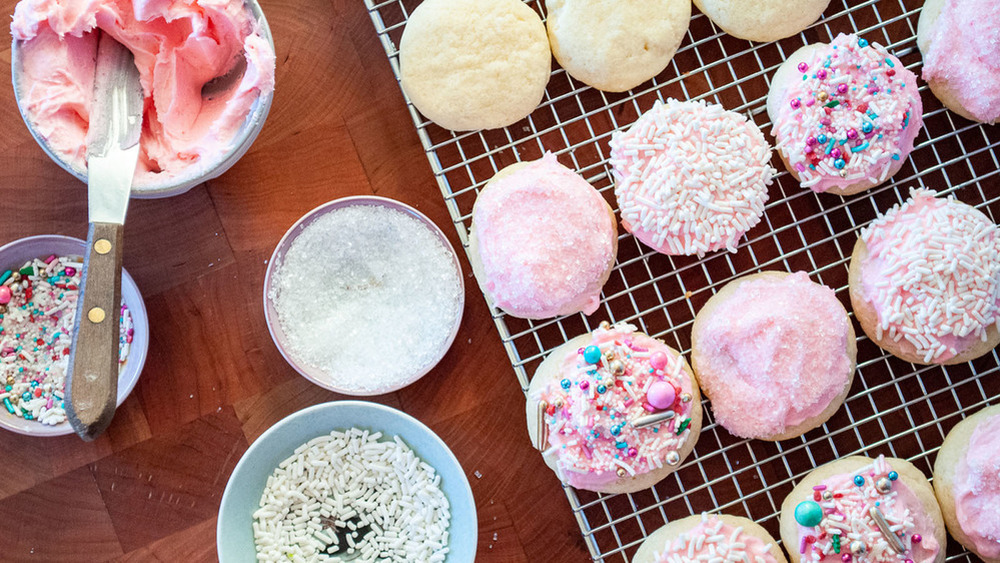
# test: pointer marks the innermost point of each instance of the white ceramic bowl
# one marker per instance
(234, 531)
(14, 255)
(312, 373)
(179, 184)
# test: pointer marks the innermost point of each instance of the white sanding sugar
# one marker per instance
(369, 295)
(349, 487)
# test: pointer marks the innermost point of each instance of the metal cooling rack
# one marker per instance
(895, 408)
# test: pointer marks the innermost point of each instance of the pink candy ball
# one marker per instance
(661, 395)
(658, 360)
(5, 295)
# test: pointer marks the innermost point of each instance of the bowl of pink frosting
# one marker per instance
(206, 68)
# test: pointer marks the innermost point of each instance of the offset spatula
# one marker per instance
(112, 153)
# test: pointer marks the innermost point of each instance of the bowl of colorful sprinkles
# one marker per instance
(363, 295)
(39, 286)
(348, 481)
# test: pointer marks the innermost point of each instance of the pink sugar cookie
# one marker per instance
(690, 177)
(701, 537)
(960, 41)
(542, 241)
(775, 353)
(845, 115)
(925, 280)
(967, 483)
(589, 412)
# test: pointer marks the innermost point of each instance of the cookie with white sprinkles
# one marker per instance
(925, 280)
(705, 536)
(614, 411)
(690, 177)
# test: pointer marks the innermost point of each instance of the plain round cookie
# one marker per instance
(867, 317)
(667, 533)
(474, 64)
(952, 450)
(908, 474)
(548, 371)
(726, 293)
(762, 20)
(582, 300)
(616, 45)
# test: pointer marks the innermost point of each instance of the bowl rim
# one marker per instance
(270, 313)
(242, 141)
(468, 498)
(137, 354)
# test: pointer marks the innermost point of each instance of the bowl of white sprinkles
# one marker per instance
(348, 481)
(364, 295)
(39, 287)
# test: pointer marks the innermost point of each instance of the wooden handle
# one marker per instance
(92, 381)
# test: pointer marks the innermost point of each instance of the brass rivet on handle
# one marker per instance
(102, 246)
(96, 315)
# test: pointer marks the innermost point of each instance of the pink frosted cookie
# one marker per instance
(699, 538)
(863, 510)
(614, 411)
(960, 40)
(925, 280)
(845, 115)
(542, 241)
(967, 483)
(775, 353)
(690, 177)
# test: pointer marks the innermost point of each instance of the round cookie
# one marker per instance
(762, 20)
(734, 535)
(911, 273)
(832, 491)
(690, 177)
(542, 241)
(839, 128)
(616, 45)
(474, 64)
(967, 476)
(958, 39)
(614, 411)
(775, 353)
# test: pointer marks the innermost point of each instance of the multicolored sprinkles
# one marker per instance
(37, 310)
(846, 121)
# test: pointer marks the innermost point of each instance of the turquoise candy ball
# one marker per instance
(808, 514)
(591, 354)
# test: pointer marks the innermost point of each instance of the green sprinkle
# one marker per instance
(683, 426)
(27, 271)
(833, 104)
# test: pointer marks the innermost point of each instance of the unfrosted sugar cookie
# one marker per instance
(474, 64)
(762, 20)
(845, 115)
(925, 280)
(542, 241)
(690, 177)
(863, 510)
(614, 411)
(775, 353)
(616, 45)
(701, 537)
(967, 483)
(960, 40)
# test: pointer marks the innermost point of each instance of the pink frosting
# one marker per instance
(773, 355)
(863, 118)
(178, 48)
(846, 513)
(933, 275)
(545, 240)
(714, 538)
(977, 488)
(592, 434)
(963, 52)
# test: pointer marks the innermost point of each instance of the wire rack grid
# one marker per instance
(895, 408)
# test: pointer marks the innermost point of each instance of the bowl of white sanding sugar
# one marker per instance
(348, 481)
(364, 295)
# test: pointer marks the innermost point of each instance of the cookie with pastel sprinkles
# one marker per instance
(614, 411)
(701, 537)
(845, 115)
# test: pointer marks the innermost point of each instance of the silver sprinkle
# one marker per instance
(827, 495)
(651, 419)
(894, 542)
(616, 367)
(621, 472)
(858, 547)
(605, 325)
(884, 485)
(686, 398)
(542, 435)
(673, 458)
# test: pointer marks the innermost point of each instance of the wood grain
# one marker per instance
(149, 488)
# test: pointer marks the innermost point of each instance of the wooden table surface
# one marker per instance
(149, 489)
